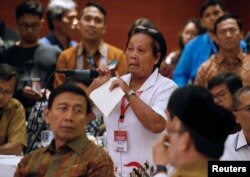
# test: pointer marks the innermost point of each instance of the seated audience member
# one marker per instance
(33, 60)
(92, 52)
(200, 48)
(36, 122)
(70, 153)
(247, 39)
(13, 135)
(7, 38)
(222, 87)
(191, 131)
(228, 31)
(62, 22)
(237, 145)
(191, 29)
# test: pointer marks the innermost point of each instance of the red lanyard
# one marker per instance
(125, 107)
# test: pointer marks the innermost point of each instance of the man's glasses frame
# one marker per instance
(245, 108)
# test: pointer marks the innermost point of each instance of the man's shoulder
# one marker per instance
(69, 51)
(114, 48)
(13, 49)
(231, 139)
(48, 48)
(33, 155)
(44, 40)
(14, 103)
(198, 40)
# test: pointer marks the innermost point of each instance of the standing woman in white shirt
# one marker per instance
(139, 118)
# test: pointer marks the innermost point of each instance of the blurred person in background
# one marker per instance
(34, 61)
(92, 52)
(237, 145)
(62, 22)
(191, 29)
(223, 86)
(13, 136)
(231, 58)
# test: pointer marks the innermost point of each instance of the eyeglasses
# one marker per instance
(220, 96)
(6, 93)
(172, 131)
(26, 26)
(143, 28)
(246, 108)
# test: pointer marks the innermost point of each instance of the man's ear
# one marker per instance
(47, 115)
(185, 141)
(236, 117)
(42, 23)
(104, 29)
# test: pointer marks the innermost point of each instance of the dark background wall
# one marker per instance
(168, 15)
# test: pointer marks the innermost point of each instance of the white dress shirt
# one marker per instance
(236, 147)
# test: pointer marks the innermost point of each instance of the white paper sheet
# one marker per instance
(105, 99)
(10, 160)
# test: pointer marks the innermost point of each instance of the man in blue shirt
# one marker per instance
(202, 47)
(62, 22)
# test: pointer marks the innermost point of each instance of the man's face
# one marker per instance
(210, 15)
(222, 96)
(92, 24)
(228, 34)
(67, 117)
(7, 89)
(243, 114)
(68, 24)
(29, 28)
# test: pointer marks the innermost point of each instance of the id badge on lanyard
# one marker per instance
(120, 141)
(121, 136)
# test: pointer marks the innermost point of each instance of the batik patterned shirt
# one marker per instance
(80, 157)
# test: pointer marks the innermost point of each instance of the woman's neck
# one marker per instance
(136, 83)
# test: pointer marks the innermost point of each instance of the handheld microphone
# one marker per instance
(79, 73)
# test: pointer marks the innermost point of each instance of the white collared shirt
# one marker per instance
(155, 92)
(236, 147)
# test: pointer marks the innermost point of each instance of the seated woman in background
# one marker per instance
(191, 29)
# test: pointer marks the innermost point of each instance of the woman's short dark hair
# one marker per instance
(159, 44)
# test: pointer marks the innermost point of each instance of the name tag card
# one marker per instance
(120, 141)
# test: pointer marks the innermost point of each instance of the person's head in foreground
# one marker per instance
(197, 128)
